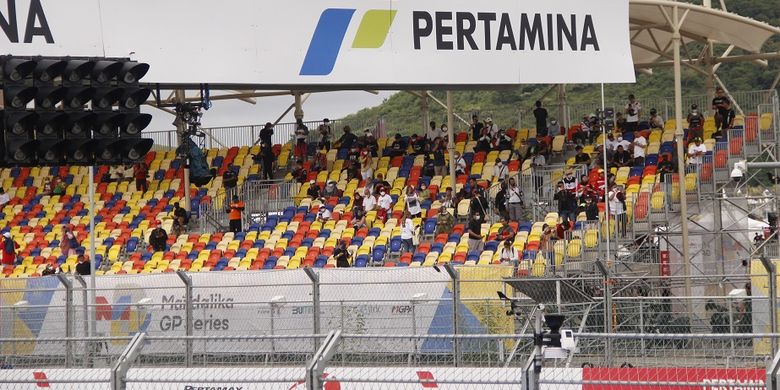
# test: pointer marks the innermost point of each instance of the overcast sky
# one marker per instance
(331, 105)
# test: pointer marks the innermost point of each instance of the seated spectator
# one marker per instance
(500, 170)
(509, 255)
(379, 183)
(4, 198)
(696, 152)
(622, 158)
(447, 198)
(429, 167)
(358, 217)
(83, 267)
(460, 164)
(656, 121)
(59, 188)
(181, 216)
(347, 140)
(298, 173)
(640, 147)
(553, 130)
(49, 270)
(503, 141)
(369, 201)
(563, 227)
(581, 133)
(324, 214)
(611, 143)
(665, 167)
(419, 145)
(424, 192)
(581, 157)
(47, 186)
(330, 190)
(341, 255)
(398, 147)
(483, 143)
(314, 190)
(320, 161)
(444, 221)
(505, 232)
(158, 238)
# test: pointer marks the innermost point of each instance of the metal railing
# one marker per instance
(260, 197)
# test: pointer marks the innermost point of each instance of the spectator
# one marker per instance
(490, 129)
(621, 158)
(591, 209)
(301, 138)
(584, 189)
(567, 202)
(419, 145)
(509, 255)
(369, 201)
(656, 121)
(617, 208)
(268, 159)
(380, 183)
(444, 221)
(358, 217)
(537, 162)
(695, 123)
(696, 152)
(181, 215)
(581, 135)
(298, 173)
(354, 172)
(475, 233)
(83, 267)
(540, 114)
(229, 181)
(447, 198)
(428, 168)
(620, 121)
(433, 135)
(581, 157)
(372, 146)
(314, 190)
(330, 190)
(9, 249)
(235, 210)
(325, 133)
(385, 203)
(460, 164)
(640, 148)
(158, 237)
(503, 141)
(4, 198)
(569, 181)
(324, 214)
(611, 143)
(500, 170)
(665, 167)
(500, 201)
(473, 185)
(514, 201)
(424, 193)
(483, 144)
(267, 133)
(341, 255)
(367, 163)
(476, 127)
(47, 186)
(398, 147)
(505, 232)
(412, 200)
(49, 270)
(347, 140)
(563, 227)
(408, 232)
(439, 161)
(59, 188)
(553, 130)
(758, 239)
(633, 112)
(141, 173)
(478, 204)
(320, 161)
(68, 243)
(722, 106)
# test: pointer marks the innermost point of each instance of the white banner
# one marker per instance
(344, 42)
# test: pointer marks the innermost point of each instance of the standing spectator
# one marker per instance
(537, 162)
(665, 167)
(229, 181)
(722, 106)
(591, 209)
(342, 255)
(633, 111)
(301, 138)
(47, 186)
(476, 127)
(500, 170)
(158, 238)
(412, 202)
(347, 140)
(371, 145)
(83, 267)
(69, 243)
(385, 203)
(696, 152)
(569, 181)
(584, 189)
(478, 204)
(640, 148)
(656, 121)
(367, 164)
(330, 190)
(514, 201)
(424, 193)
(540, 113)
(439, 161)
(475, 233)
(267, 133)
(181, 215)
(408, 232)
(444, 221)
(567, 202)
(490, 129)
(235, 210)
(460, 164)
(4, 198)
(503, 141)
(325, 134)
(433, 135)
(554, 128)
(617, 208)
(141, 173)
(268, 161)
(695, 123)
(483, 145)
(9, 249)
(500, 201)
(447, 198)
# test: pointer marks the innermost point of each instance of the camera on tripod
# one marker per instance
(190, 114)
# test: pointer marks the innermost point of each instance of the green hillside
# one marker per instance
(400, 112)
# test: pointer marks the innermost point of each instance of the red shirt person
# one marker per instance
(9, 249)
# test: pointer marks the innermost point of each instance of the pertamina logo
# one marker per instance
(330, 33)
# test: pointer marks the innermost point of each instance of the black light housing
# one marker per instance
(133, 98)
(47, 70)
(104, 98)
(132, 124)
(76, 71)
(51, 151)
(47, 98)
(77, 97)
(19, 123)
(133, 150)
(106, 125)
(105, 71)
(15, 70)
(17, 97)
(50, 125)
(79, 125)
(132, 72)
(79, 152)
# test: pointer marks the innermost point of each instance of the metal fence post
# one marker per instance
(188, 313)
(316, 367)
(455, 311)
(315, 297)
(85, 320)
(119, 370)
(770, 269)
(607, 310)
(68, 319)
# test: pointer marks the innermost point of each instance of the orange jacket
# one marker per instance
(235, 210)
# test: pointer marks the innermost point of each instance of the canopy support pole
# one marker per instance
(181, 129)
(451, 139)
(298, 113)
(425, 111)
(680, 135)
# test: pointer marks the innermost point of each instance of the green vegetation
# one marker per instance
(401, 111)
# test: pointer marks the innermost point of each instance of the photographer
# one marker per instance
(266, 133)
(633, 111)
(234, 211)
(325, 134)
